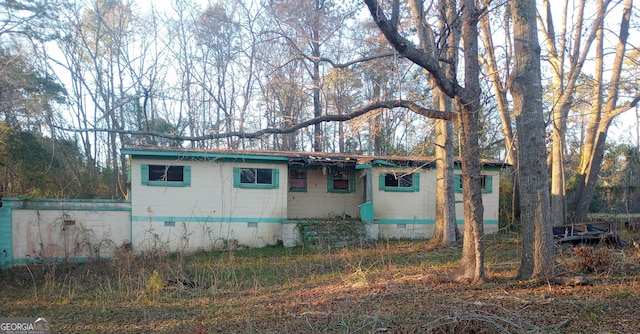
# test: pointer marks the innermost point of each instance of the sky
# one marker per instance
(624, 129)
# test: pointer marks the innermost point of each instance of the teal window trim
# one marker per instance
(186, 178)
(488, 184)
(457, 183)
(415, 187)
(351, 175)
(275, 179)
(487, 189)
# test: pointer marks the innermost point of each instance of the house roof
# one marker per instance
(291, 157)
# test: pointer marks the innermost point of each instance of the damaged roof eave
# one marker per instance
(311, 160)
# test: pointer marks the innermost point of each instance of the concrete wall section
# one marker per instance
(189, 234)
(406, 231)
(67, 229)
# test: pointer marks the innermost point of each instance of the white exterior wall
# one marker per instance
(405, 214)
(210, 212)
(490, 202)
(412, 214)
(43, 228)
(318, 202)
(405, 206)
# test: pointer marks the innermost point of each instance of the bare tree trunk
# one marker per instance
(499, 77)
(317, 107)
(472, 262)
(526, 89)
(471, 268)
(563, 86)
(593, 150)
(445, 229)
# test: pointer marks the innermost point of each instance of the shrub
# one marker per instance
(592, 260)
(154, 285)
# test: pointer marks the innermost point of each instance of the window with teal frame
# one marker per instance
(166, 175)
(297, 180)
(399, 182)
(486, 183)
(341, 181)
(256, 178)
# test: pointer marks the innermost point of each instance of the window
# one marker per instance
(341, 181)
(486, 183)
(165, 175)
(298, 180)
(256, 176)
(400, 182)
(261, 178)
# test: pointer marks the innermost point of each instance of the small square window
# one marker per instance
(484, 182)
(341, 181)
(298, 180)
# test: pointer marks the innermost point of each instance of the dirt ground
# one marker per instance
(400, 287)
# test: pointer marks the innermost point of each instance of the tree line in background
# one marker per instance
(536, 84)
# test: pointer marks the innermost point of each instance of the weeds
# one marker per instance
(391, 286)
(154, 285)
(594, 260)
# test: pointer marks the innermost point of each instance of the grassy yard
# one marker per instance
(386, 287)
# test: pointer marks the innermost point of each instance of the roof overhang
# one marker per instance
(301, 159)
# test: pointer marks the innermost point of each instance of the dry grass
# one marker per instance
(388, 287)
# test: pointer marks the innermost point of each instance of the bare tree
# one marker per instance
(95, 39)
(568, 50)
(526, 89)
(603, 113)
(443, 44)
(468, 99)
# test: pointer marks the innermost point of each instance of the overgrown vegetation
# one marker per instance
(333, 232)
(36, 166)
(391, 286)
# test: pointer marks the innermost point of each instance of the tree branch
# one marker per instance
(407, 49)
(430, 113)
(626, 106)
(331, 62)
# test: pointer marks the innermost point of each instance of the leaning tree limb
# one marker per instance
(390, 104)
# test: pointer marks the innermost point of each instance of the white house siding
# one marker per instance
(210, 212)
(489, 202)
(405, 214)
(412, 214)
(318, 202)
(46, 229)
